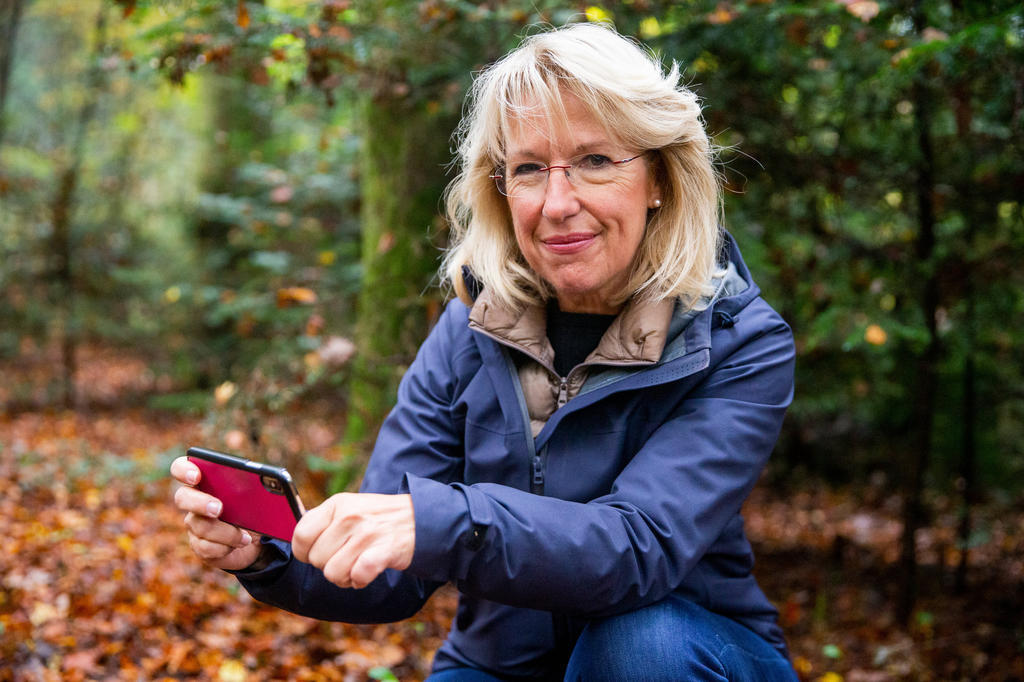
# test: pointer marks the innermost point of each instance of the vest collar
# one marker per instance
(636, 337)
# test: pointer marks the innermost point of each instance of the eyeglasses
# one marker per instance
(529, 179)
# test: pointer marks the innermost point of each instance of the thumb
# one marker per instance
(308, 530)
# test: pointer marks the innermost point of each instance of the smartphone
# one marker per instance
(257, 497)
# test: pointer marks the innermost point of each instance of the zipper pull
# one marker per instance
(563, 391)
(538, 474)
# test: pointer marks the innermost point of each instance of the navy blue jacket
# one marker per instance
(631, 491)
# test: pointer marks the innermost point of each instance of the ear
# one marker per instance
(655, 194)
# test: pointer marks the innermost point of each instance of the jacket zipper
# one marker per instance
(537, 478)
(536, 459)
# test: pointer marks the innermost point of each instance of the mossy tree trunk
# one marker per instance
(10, 17)
(404, 156)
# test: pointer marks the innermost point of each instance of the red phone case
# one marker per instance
(257, 497)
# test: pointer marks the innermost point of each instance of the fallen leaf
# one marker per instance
(231, 671)
(83, 661)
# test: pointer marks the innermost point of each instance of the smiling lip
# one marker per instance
(569, 243)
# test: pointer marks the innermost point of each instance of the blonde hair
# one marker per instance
(642, 107)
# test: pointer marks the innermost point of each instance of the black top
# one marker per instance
(574, 336)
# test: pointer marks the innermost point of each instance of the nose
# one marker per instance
(560, 199)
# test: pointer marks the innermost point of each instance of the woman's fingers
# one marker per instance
(207, 550)
(191, 500)
(187, 498)
(223, 556)
(353, 538)
(368, 565)
(185, 471)
(217, 531)
(338, 567)
(217, 543)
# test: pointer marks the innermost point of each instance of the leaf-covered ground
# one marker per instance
(96, 580)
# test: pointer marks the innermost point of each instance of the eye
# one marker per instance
(525, 169)
(593, 161)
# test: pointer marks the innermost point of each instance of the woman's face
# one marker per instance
(580, 239)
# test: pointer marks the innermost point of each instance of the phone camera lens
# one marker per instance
(272, 485)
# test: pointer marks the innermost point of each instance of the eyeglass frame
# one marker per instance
(500, 177)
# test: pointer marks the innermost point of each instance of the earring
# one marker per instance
(657, 203)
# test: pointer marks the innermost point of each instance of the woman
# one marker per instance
(574, 441)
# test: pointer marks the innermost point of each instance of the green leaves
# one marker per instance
(289, 59)
(382, 673)
(831, 651)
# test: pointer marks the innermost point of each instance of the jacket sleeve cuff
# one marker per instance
(452, 526)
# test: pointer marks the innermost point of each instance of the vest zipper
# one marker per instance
(563, 391)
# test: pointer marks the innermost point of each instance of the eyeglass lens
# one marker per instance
(524, 179)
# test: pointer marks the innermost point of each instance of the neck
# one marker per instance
(569, 304)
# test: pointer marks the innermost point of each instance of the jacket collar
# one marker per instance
(641, 332)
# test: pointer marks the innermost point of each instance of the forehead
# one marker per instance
(564, 125)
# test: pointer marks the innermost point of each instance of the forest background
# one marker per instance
(220, 223)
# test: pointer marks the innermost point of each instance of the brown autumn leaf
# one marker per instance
(84, 660)
(289, 296)
(723, 14)
(128, 8)
(242, 15)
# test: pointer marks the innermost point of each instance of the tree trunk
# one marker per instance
(927, 363)
(64, 279)
(10, 17)
(404, 152)
(968, 465)
(62, 209)
(976, 211)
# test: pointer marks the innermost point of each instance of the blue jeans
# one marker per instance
(672, 640)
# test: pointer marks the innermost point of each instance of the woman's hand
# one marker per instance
(217, 543)
(353, 537)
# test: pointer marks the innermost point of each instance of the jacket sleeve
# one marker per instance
(667, 507)
(292, 585)
(420, 440)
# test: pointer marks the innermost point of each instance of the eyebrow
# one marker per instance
(581, 148)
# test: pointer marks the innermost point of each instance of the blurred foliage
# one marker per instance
(119, 225)
(813, 105)
(219, 218)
